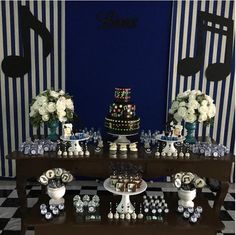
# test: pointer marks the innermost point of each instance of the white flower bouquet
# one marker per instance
(50, 106)
(193, 106)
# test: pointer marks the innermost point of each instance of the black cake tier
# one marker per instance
(122, 127)
(122, 94)
(122, 117)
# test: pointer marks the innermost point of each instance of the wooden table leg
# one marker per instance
(21, 191)
(220, 196)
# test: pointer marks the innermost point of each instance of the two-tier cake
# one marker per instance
(122, 119)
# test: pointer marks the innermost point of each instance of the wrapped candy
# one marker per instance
(48, 215)
(61, 207)
(38, 147)
(210, 150)
(55, 211)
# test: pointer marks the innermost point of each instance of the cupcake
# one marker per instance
(123, 148)
(113, 148)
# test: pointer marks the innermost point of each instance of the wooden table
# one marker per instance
(173, 223)
(98, 165)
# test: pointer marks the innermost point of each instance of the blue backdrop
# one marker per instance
(98, 60)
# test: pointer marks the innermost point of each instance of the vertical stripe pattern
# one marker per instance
(183, 44)
(45, 73)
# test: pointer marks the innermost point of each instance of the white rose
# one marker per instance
(54, 94)
(62, 100)
(211, 111)
(32, 113)
(62, 119)
(209, 99)
(43, 110)
(193, 92)
(61, 104)
(51, 107)
(190, 118)
(45, 117)
(181, 95)
(177, 117)
(182, 104)
(175, 105)
(69, 104)
(204, 103)
(198, 92)
(41, 100)
(182, 111)
(186, 93)
(203, 109)
(202, 117)
(192, 97)
(171, 111)
(191, 111)
(35, 106)
(61, 92)
(193, 104)
(61, 113)
(60, 107)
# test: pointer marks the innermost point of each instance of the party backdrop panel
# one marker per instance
(112, 44)
(184, 43)
(26, 32)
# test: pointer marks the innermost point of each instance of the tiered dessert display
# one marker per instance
(170, 139)
(125, 185)
(121, 120)
(74, 139)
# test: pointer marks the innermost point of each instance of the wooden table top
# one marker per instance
(104, 156)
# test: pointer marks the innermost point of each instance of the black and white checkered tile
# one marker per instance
(10, 217)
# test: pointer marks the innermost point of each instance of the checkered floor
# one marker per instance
(10, 219)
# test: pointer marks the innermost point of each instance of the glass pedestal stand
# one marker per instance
(170, 148)
(75, 146)
(125, 206)
(122, 139)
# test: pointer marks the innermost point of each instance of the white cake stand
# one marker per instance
(122, 139)
(75, 143)
(125, 205)
(170, 148)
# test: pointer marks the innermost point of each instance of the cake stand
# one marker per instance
(75, 146)
(170, 148)
(122, 139)
(125, 205)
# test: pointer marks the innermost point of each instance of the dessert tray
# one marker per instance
(78, 137)
(170, 148)
(125, 205)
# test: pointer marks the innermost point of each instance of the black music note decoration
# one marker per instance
(217, 71)
(17, 66)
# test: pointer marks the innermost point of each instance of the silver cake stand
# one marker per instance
(122, 139)
(75, 146)
(125, 205)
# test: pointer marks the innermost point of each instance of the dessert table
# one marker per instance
(98, 165)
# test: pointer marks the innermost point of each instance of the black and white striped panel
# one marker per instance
(183, 44)
(45, 73)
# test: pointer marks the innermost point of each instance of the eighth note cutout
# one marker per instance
(17, 66)
(217, 71)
